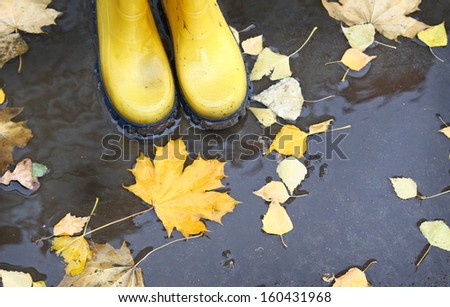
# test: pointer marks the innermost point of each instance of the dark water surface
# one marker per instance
(351, 214)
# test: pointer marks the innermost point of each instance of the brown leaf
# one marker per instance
(320, 127)
(23, 173)
(69, 225)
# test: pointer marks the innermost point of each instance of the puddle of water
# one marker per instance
(351, 214)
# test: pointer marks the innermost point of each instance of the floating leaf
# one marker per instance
(23, 174)
(437, 233)
(360, 36)
(76, 253)
(271, 64)
(2, 96)
(39, 284)
(353, 278)
(235, 34)
(355, 59)
(265, 116)
(182, 197)
(12, 135)
(292, 172)
(389, 17)
(108, 268)
(16, 279)
(320, 127)
(435, 36)
(284, 98)
(253, 45)
(69, 225)
(11, 46)
(290, 141)
(273, 191)
(39, 170)
(276, 221)
(405, 188)
(446, 131)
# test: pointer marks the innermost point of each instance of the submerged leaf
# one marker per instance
(353, 278)
(284, 98)
(271, 64)
(253, 45)
(292, 172)
(437, 233)
(290, 141)
(69, 225)
(182, 197)
(405, 188)
(109, 268)
(76, 253)
(11, 135)
(355, 59)
(276, 221)
(265, 116)
(273, 191)
(360, 36)
(435, 36)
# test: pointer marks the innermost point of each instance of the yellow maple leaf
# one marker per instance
(435, 36)
(290, 141)
(355, 59)
(75, 251)
(69, 225)
(182, 196)
(389, 17)
(11, 135)
(353, 278)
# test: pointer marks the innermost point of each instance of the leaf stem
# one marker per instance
(250, 27)
(433, 196)
(282, 242)
(19, 70)
(385, 45)
(423, 256)
(432, 52)
(369, 265)
(333, 62)
(345, 75)
(320, 100)
(334, 130)
(441, 119)
(304, 44)
(90, 215)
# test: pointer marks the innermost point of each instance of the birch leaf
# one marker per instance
(292, 172)
(253, 45)
(271, 64)
(405, 188)
(437, 233)
(360, 36)
(435, 36)
(2, 96)
(290, 141)
(16, 279)
(355, 59)
(320, 127)
(446, 131)
(273, 191)
(11, 46)
(265, 116)
(69, 225)
(276, 221)
(353, 278)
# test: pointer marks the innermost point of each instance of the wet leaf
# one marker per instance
(235, 34)
(353, 278)
(435, 36)
(405, 188)
(273, 191)
(11, 46)
(39, 284)
(292, 172)
(109, 268)
(182, 197)
(355, 59)
(290, 141)
(2, 96)
(284, 98)
(360, 36)
(69, 225)
(75, 251)
(437, 233)
(253, 45)
(271, 64)
(389, 17)
(276, 221)
(446, 131)
(265, 116)
(39, 170)
(320, 127)
(12, 135)
(23, 174)
(25, 15)
(15, 279)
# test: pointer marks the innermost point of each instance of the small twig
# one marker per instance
(385, 45)
(423, 256)
(304, 44)
(320, 100)
(432, 52)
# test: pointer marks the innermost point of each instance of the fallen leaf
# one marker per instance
(39, 284)
(405, 188)
(253, 45)
(292, 172)
(435, 36)
(2, 95)
(25, 15)
(39, 170)
(437, 233)
(69, 225)
(360, 36)
(446, 131)
(11, 135)
(271, 64)
(75, 251)
(182, 197)
(23, 174)
(16, 279)
(276, 221)
(320, 127)
(355, 59)
(290, 141)
(235, 34)
(389, 17)
(11, 46)
(265, 116)
(273, 191)
(284, 98)
(353, 278)
(109, 268)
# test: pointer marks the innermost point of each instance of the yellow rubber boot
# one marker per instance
(134, 67)
(209, 64)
